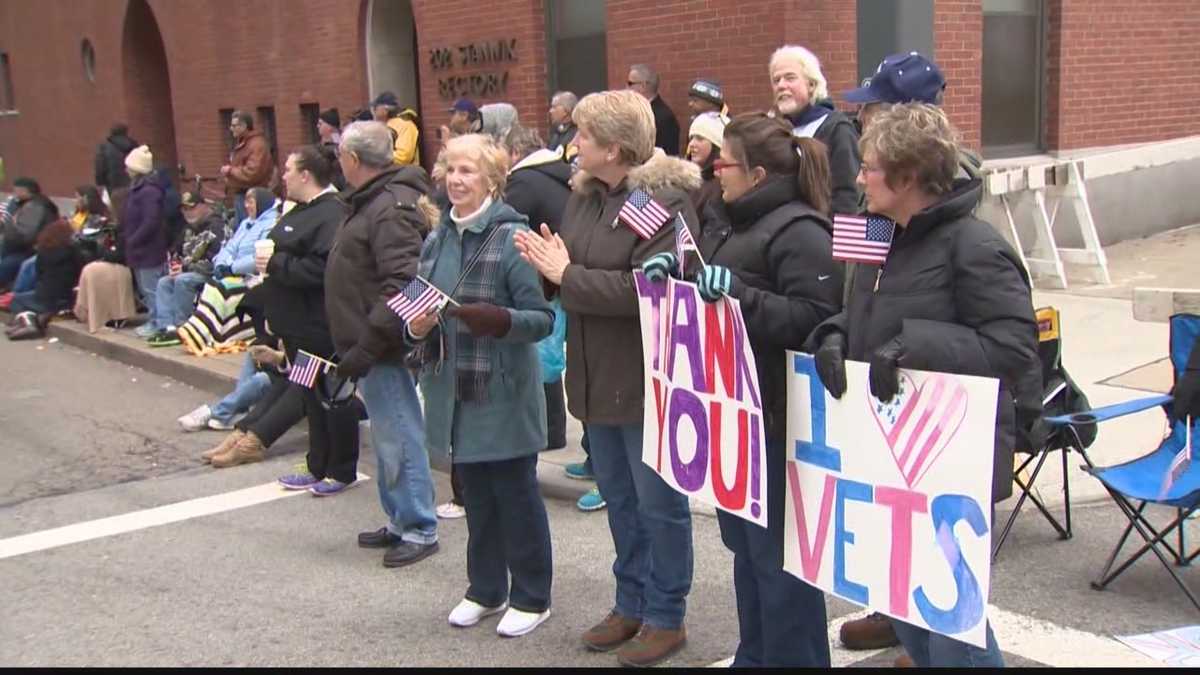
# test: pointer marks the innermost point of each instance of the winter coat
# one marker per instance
(109, 164)
(339, 178)
(238, 250)
(957, 296)
(838, 134)
(511, 421)
(404, 148)
(31, 216)
(142, 227)
(561, 136)
(538, 188)
(292, 296)
(58, 268)
(666, 127)
(201, 243)
(373, 258)
(250, 164)
(708, 194)
(604, 337)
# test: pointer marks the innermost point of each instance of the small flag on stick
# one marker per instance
(684, 241)
(642, 214)
(307, 367)
(1179, 464)
(417, 298)
(862, 239)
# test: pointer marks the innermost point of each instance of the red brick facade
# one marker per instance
(1115, 72)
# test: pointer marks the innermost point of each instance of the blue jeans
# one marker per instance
(651, 528)
(26, 301)
(26, 276)
(176, 298)
(398, 437)
(10, 265)
(250, 387)
(147, 283)
(934, 650)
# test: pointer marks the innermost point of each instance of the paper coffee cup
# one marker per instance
(263, 249)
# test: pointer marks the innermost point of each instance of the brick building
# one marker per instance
(1025, 76)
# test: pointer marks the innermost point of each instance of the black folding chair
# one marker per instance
(1059, 395)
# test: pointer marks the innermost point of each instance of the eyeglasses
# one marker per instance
(721, 165)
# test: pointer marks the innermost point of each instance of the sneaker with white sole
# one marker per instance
(468, 613)
(450, 511)
(196, 420)
(299, 478)
(217, 425)
(516, 623)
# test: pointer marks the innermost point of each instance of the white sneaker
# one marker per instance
(450, 511)
(196, 420)
(516, 623)
(217, 425)
(469, 613)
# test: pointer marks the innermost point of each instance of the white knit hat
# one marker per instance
(710, 126)
(139, 160)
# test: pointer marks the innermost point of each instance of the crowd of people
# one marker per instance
(526, 239)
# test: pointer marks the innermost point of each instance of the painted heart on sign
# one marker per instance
(919, 422)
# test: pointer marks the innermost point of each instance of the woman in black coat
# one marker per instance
(952, 297)
(770, 247)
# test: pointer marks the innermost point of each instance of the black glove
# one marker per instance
(483, 319)
(356, 363)
(1187, 397)
(222, 271)
(831, 363)
(885, 381)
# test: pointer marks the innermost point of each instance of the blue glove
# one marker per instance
(714, 281)
(658, 267)
(222, 271)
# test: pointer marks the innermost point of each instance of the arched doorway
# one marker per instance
(148, 108)
(392, 51)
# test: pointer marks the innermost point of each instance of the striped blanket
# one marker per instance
(218, 325)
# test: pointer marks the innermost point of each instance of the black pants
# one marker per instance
(507, 532)
(280, 408)
(332, 439)
(456, 484)
(556, 416)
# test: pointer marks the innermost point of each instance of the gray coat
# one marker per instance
(511, 422)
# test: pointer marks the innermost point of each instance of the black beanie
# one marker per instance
(29, 184)
(329, 116)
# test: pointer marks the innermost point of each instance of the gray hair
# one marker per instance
(566, 99)
(522, 141)
(810, 67)
(648, 73)
(371, 143)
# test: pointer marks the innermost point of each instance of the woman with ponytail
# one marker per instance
(772, 250)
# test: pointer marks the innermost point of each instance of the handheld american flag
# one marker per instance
(306, 368)
(684, 241)
(864, 239)
(642, 214)
(418, 297)
(1180, 463)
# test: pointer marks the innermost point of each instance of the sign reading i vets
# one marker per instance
(889, 504)
(703, 425)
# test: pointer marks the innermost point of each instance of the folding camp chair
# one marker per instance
(1140, 483)
(1059, 395)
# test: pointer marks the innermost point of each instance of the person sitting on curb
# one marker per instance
(176, 296)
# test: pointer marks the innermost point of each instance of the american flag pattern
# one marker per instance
(1179, 464)
(684, 241)
(863, 239)
(919, 422)
(417, 298)
(307, 367)
(642, 214)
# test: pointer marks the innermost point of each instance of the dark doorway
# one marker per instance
(392, 54)
(148, 85)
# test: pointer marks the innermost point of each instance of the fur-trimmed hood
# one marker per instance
(660, 172)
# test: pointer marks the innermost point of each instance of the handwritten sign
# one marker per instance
(889, 504)
(703, 422)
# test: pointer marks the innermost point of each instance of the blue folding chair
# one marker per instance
(1139, 483)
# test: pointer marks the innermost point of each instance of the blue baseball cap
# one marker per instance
(465, 105)
(901, 78)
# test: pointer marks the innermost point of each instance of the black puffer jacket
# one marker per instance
(956, 294)
(840, 137)
(109, 164)
(539, 187)
(780, 252)
(373, 258)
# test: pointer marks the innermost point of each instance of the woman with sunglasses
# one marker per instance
(771, 249)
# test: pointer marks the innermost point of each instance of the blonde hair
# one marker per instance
(914, 141)
(619, 118)
(810, 67)
(486, 153)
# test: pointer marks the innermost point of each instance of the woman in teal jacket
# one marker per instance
(482, 385)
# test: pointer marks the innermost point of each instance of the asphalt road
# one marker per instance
(282, 583)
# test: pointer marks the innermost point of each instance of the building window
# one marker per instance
(1013, 54)
(9, 102)
(225, 116)
(88, 55)
(892, 27)
(308, 121)
(575, 44)
(266, 124)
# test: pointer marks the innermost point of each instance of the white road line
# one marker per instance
(1018, 634)
(140, 520)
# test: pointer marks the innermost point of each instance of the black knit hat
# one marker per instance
(329, 116)
(29, 184)
(708, 90)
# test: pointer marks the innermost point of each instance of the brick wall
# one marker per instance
(958, 51)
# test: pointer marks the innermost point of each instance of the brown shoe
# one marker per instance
(246, 450)
(222, 447)
(904, 661)
(651, 646)
(870, 632)
(614, 631)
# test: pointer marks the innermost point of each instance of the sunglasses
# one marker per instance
(721, 165)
